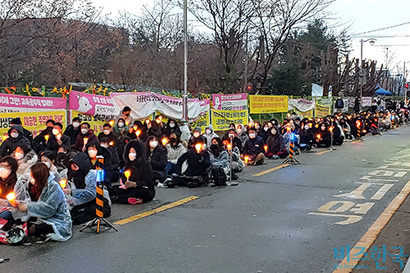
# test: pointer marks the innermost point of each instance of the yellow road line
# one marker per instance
(154, 211)
(271, 170)
(323, 152)
(370, 236)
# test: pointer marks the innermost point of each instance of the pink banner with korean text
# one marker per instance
(93, 105)
(230, 102)
(17, 103)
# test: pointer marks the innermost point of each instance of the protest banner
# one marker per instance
(322, 110)
(17, 103)
(259, 104)
(301, 105)
(222, 119)
(95, 121)
(32, 121)
(100, 107)
(232, 102)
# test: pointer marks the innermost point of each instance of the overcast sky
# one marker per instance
(360, 15)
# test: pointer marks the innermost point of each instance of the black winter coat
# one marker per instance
(198, 164)
(158, 158)
(253, 147)
(9, 145)
(72, 133)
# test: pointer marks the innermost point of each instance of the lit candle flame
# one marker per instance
(164, 141)
(138, 133)
(147, 121)
(11, 197)
(63, 183)
(85, 140)
(127, 122)
(46, 137)
(111, 122)
(127, 174)
(318, 136)
(58, 137)
(111, 143)
(229, 146)
(198, 147)
(266, 148)
(5, 137)
(246, 159)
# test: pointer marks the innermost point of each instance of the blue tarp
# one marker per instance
(383, 92)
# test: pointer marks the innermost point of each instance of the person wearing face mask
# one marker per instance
(87, 133)
(107, 133)
(209, 134)
(154, 129)
(322, 138)
(100, 158)
(171, 127)
(196, 136)
(112, 170)
(236, 141)
(41, 140)
(125, 115)
(257, 126)
(175, 149)
(242, 135)
(254, 148)
(47, 206)
(15, 139)
(157, 157)
(276, 145)
(63, 157)
(48, 158)
(10, 183)
(57, 138)
(306, 137)
(27, 134)
(73, 130)
(264, 133)
(25, 158)
(121, 128)
(338, 135)
(139, 186)
(219, 156)
(198, 163)
(138, 131)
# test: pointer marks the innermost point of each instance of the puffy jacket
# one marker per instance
(79, 143)
(10, 144)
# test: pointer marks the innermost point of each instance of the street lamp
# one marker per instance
(371, 41)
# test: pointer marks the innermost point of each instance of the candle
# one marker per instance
(138, 133)
(135, 127)
(63, 183)
(127, 122)
(11, 197)
(318, 136)
(85, 140)
(46, 137)
(5, 136)
(111, 143)
(198, 147)
(58, 137)
(246, 159)
(127, 174)
(229, 146)
(147, 121)
(164, 141)
(111, 122)
(265, 148)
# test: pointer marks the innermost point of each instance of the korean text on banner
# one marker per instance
(322, 110)
(16, 103)
(259, 104)
(202, 121)
(233, 102)
(32, 121)
(95, 122)
(143, 104)
(301, 105)
(308, 114)
(93, 105)
(222, 119)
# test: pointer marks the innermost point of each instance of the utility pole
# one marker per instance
(185, 97)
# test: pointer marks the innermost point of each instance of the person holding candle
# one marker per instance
(171, 127)
(108, 133)
(111, 170)
(253, 148)
(16, 138)
(153, 128)
(196, 138)
(137, 178)
(209, 135)
(175, 149)
(120, 128)
(85, 135)
(219, 158)
(264, 133)
(73, 130)
(198, 165)
(95, 151)
(275, 145)
(57, 138)
(25, 158)
(236, 141)
(40, 141)
(323, 137)
(49, 214)
(306, 136)
(138, 131)
(157, 157)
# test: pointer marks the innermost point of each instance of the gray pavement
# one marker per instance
(263, 225)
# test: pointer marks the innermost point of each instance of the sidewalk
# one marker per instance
(395, 234)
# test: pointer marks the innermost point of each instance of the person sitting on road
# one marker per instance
(323, 135)
(209, 134)
(306, 137)
(73, 130)
(100, 159)
(198, 163)
(264, 133)
(253, 151)
(50, 218)
(137, 178)
(236, 141)
(86, 135)
(172, 127)
(111, 171)
(26, 158)
(237, 163)
(242, 135)
(195, 138)
(175, 149)
(48, 158)
(219, 157)
(107, 133)
(57, 138)
(338, 135)
(275, 145)
(157, 156)
(40, 141)
(16, 138)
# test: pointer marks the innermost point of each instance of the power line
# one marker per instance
(379, 29)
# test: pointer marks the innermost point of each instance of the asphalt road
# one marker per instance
(287, 220)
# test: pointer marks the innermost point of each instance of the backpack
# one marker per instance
(219, 176)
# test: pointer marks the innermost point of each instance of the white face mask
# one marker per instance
(273, 132)
(252, 135)
(132, 156)
(172, 125)
(47, 164)
(76, 124)
(307, 127)
(323, 128)
(266, 129)
(153, 144)
(231, 136)
(104, 145)
(92, 153)
(196, 134)
(55, 132)
(106, 132)
(18, 155)
(84, 131)
(4, 173)
(208, 131)
(120, 124)
(14, 135)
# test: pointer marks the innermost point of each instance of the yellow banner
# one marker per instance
(308, 114)
(322, 110)
(221, 119)
(95, 122)
(202, 121)
(32, 121)
(259, 104)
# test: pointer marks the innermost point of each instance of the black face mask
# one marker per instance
(173, 140)
(214, 147)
